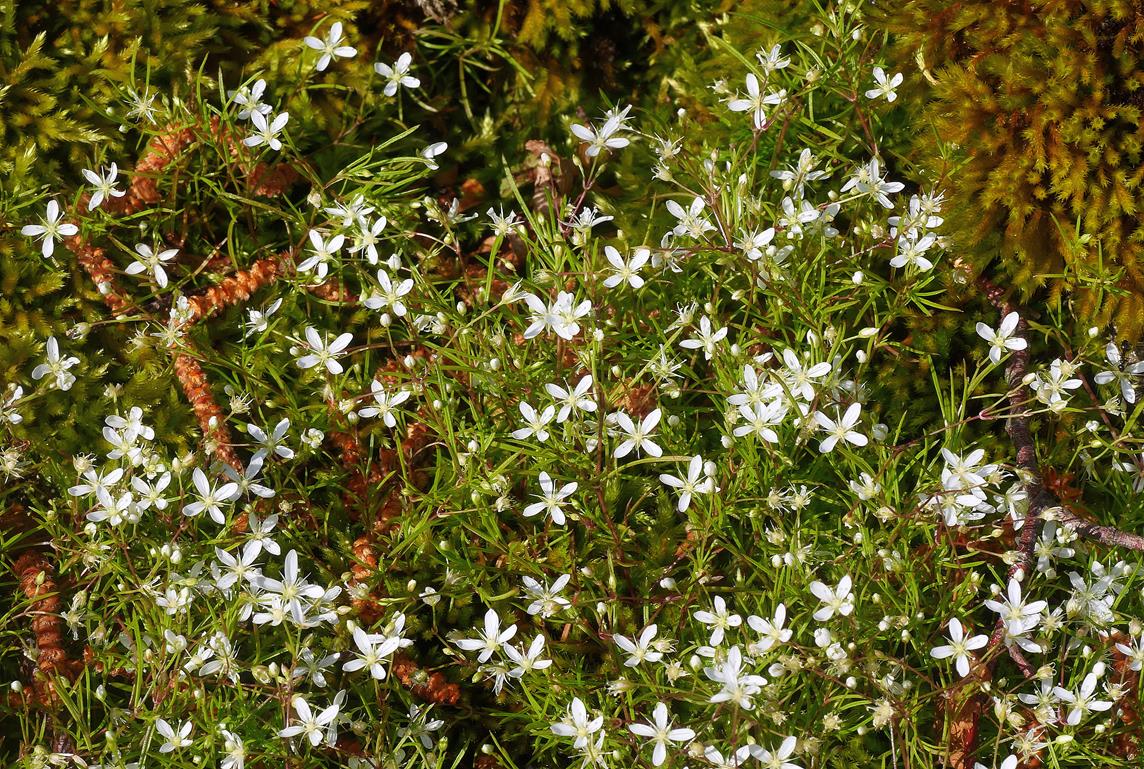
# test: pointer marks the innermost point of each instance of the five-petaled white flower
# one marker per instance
(324, 251)
(560, 316)
(104, 186)
(640, 649)
(491, 638)
(323, 354)
(331, 48)
(778, 758)
(385, 403)
(174, 739)
(56, 366)
(756, 102)
(272, 443)
(1120, 373)
(266, 131)
(720, 620)
(771, 631)
(605, 137)
(1002, 340)
(311, 727)
(397, 75)
(886, 85)
(1082, 701)
(250, 99)
(373, 648)
(551, 499)
(210, 497)
(835, 599)
(150, 261)
(690, 222)
(959, 647)
(637, 437)
(706, 338)
(697, 482)
(391, 294)
(577, 724)
(572, 399)
(659, 730)
(50, 229)
(842, 429)
(535, 422)
(626, 271)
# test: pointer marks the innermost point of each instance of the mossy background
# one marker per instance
(1027, 115)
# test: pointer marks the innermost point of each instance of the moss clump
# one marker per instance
(1040, 102)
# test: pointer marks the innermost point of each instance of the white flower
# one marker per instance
(626, 271)
(660, 732)
(546, 601)
(692, 485)
(690, 222)
(705, 339)
(756, 102)
(1120, 373)
(886, 85)
(640, 650)
(50, 229)
(311, 726)
(258, 321)
(250, 99)
(761, 419)
(577, 724)
(720, 620)
(573, 399)
(271, 444)
(210, 497)
(266, 130)
(391, 294)
(56, 366)
(1014, 609)
(773, 59)
(777, 759)
(330, 48)
(535, 422)
(911, 251)
(323, 354)
(368, 236)
(638, 438)
(835, 599)
(397, 75)
(430, 154)
(551, 499)
(1010, 762)
(385, 404)
(373, 648)
(560, 316)
(1082, 701)
(104, 186)
(794, 178)
(527, 660)
(491, 639)
(605, 137)
(1002, 339)
(174, 739)
(149, 260)
(772, 631)
(235, 756)
(324, 251)
(738, 687)
(959, 647)
(843, 429)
